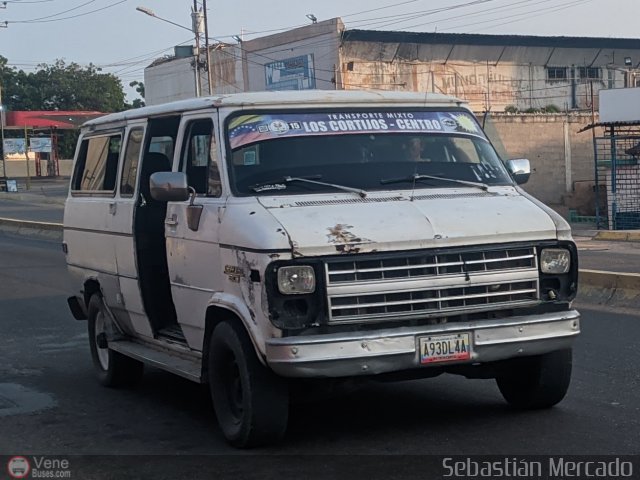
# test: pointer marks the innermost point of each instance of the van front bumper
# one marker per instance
(393, 350)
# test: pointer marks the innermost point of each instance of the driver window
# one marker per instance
(200, 158)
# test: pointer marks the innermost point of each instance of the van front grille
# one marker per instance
(425, 284)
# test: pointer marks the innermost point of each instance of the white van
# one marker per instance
(246, 240)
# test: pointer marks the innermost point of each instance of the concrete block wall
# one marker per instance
(541, 139)
(18, 168)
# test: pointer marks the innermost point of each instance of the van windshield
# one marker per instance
(368, 151)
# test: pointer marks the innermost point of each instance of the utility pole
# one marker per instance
(4, 168)
(206, 46)
(26, 154)
(197, 22)
(201, 31)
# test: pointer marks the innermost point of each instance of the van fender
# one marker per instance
(237, 307)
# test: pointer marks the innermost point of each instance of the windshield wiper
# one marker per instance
(277, 184)
(420, 176)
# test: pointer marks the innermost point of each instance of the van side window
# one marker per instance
(199, 158)
(130, 166)
(97, 165)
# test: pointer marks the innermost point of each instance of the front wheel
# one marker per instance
(113, 368)
(251, 402)
(536, 382)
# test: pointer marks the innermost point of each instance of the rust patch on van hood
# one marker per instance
(344, 240)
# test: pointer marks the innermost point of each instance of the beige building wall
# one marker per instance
(562, 159)
(488, 77)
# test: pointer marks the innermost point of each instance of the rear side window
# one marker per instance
(130, 166)
(97, 164)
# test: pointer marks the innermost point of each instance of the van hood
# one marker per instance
(330, 224)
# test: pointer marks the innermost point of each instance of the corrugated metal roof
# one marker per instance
(479, 39)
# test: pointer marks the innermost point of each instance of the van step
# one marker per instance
(189, 368)
(173, 332)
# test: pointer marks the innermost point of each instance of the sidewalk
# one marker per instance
(617, 251)
(609, 262)
(43, 202)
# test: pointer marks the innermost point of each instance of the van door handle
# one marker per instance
(171, 222)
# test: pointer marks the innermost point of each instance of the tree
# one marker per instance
(61, 86)
(138, 102)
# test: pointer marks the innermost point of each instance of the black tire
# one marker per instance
(251, 402)
(536, 382)
(113, 369)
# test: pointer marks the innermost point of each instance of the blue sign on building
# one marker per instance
(295, 73)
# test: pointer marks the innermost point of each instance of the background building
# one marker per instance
(535, 93)
(492, 72)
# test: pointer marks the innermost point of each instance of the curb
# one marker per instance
(618, 235)
(35, 198)
(31, 228)
(609, 288)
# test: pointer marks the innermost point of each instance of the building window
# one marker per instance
(556, 73)
(590, 73)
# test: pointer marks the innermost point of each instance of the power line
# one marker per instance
(142, 57)
(482, 12)
(423, 13)
(50, 18)
(527, 14)
(56, 14)
(393, 5)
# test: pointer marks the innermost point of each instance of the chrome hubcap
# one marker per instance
(103, 353)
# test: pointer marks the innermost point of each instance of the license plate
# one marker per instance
(445, 348)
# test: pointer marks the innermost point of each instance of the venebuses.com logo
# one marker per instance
(18, 467)
(38, 467)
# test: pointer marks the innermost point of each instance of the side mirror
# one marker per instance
(520, 170)
(169, 187)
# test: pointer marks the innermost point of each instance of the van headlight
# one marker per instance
(555, 260)
(296, 280)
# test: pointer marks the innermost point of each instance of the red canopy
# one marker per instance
(49, 119)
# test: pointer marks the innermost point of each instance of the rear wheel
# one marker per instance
(113, 368)
(251, 402)
(536, 382)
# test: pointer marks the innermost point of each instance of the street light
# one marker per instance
(151, 13)
(312, 17)
(237, 38)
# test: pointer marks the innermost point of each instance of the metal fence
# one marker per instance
(617, 174)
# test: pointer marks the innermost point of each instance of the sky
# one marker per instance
(112, 35)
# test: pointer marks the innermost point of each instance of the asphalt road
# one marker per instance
(59, 408)
(30, 210)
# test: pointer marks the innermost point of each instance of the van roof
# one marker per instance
(283, 98)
